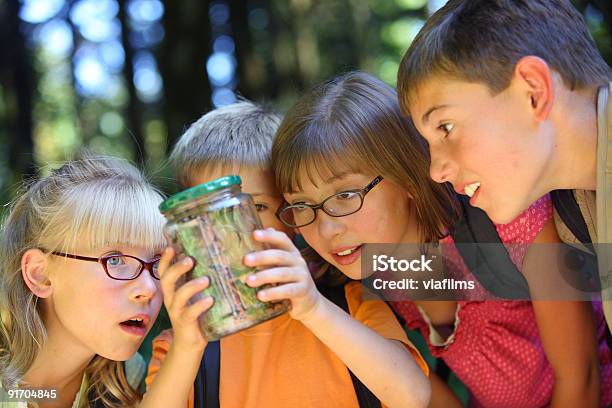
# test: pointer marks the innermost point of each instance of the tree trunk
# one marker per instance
(20, 77)
(187, 46)
(134, 106)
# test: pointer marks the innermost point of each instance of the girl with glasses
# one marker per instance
(80, 289)
(353, 171)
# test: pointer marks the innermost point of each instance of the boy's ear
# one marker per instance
(537, 77)
(35, 272)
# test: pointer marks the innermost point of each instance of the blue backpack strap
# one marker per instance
(490, 264)
(365, 397)
(206, 386)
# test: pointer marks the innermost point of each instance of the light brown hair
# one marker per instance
(353, 124)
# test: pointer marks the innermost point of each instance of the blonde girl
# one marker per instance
(80, 287)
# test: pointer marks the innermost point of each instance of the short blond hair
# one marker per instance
(234, 135)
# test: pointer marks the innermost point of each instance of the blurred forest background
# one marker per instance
(126, 77)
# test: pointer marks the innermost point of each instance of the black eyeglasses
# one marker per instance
(119, 266)
(336, 205)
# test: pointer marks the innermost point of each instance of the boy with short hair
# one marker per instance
(512, 96)
(290, 362)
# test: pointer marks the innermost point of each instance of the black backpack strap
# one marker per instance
(206, 387)
(568, 209)
(365, 397)
(490, 264)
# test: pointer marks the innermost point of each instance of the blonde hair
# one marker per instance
(237, 134)
(96, 201)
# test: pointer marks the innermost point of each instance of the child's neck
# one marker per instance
(59, 365)
(575, 162)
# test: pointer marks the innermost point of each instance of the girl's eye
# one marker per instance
(346, 195)
(261, 207)
(115, 260)
(299, 207)
(446, 128)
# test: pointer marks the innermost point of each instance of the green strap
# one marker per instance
(81, 398)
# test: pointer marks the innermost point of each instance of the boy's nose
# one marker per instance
(439, 169)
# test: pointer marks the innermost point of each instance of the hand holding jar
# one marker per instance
(288, 272)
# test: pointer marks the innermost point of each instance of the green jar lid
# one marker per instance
(198, 191)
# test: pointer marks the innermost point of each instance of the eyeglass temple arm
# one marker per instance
(79, 257)
(372, 184)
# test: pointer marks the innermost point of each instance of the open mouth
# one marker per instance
(347, 256)
(137, 322)
(348, 251)
(470, 189)
(137, 325)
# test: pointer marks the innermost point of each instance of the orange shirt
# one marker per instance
(280, 363)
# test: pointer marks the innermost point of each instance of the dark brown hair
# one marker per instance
(353, 124)
(482, 40)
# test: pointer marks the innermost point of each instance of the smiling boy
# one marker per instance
(512, 97)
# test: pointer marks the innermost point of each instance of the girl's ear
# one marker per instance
(35, 272)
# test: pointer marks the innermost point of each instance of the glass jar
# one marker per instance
(213, 223)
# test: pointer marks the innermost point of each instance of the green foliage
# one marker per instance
(282, 49)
